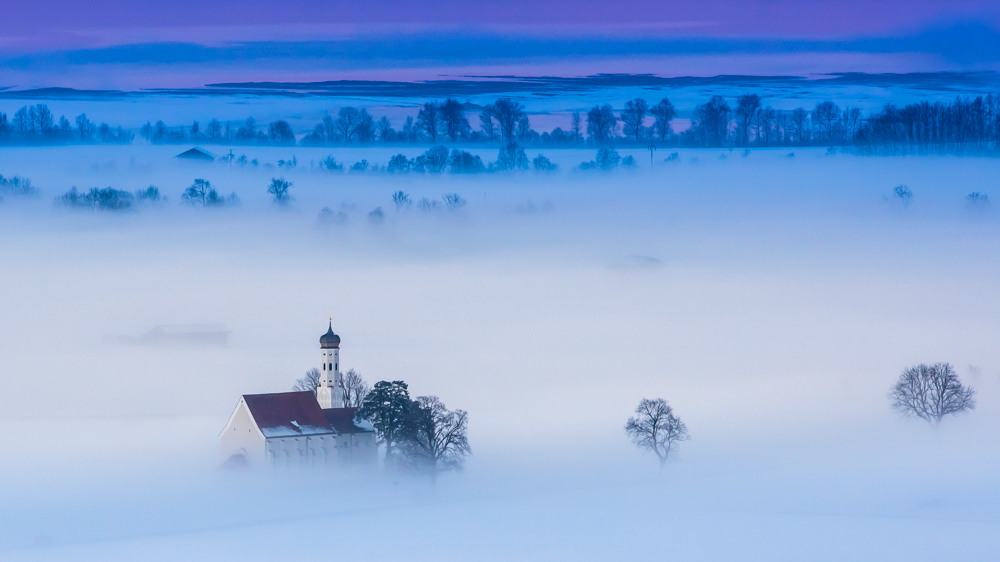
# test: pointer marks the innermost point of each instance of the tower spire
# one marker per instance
(330, 392)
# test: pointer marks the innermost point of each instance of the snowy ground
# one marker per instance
(771, 300)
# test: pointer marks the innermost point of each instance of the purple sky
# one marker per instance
(41, 24)
(181, 43)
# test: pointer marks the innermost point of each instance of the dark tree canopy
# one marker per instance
(655, 427)
(663, 112)
(931, 392)
(429, 120)
(386, 407)
(436, 438)
(601, 124)
(710, 125)
(747, 107)
(453, 119)
(278, 189)
(632, 118)
(508, 114)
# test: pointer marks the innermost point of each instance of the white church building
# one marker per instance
(297, 428)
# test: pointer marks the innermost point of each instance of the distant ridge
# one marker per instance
(473, 85)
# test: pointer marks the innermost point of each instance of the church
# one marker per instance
(298, 428)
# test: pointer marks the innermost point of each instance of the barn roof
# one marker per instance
(196, 154)
(287, 414)
(342, 420)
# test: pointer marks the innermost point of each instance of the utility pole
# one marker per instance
(652, 148)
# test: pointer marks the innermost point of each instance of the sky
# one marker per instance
(94, 44)
(69, 22)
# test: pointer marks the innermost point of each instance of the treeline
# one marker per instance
(37, 124)
(964, 123)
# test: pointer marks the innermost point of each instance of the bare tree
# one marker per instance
(487, 124)
(852, 120)
(85, 127)
(800, 124)
(436, 438)
(601, 124)
(365, 130)
(508, 114)
(428, 120)
(656, 428)
(663, 112)
(826, 114)
(575, 127)
(214, 129)
(747, 107)
(384, 128)
(632, 118)
(453, 118)
(347, 122)
(279, 190)
(355, 387)
(710, 125)
(931, 393)
(309, 381)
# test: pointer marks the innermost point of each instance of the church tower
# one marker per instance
(330, 392)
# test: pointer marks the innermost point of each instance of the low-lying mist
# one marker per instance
(771, 300)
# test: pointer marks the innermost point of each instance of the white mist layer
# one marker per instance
(772, 301)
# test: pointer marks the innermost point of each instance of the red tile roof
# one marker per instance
(342, 420)
(286, 414)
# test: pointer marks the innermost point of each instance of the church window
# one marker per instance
(331, 367)
(324, 366)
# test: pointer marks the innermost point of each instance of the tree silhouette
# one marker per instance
(656, 428)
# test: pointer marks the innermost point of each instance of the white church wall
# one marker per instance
(241, 433)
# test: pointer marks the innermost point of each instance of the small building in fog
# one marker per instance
(196, 154)
(300, 428)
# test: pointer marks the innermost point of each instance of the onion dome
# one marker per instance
(329, 339)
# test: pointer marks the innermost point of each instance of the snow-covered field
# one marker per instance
(771, 300)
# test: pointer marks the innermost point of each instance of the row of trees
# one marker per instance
(958, 125)
(37, 124)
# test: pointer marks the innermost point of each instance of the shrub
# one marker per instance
(463, 162)
(360, 166)
(279, 190)
(106, 199)
(398, 164)
(629, 162)
(543, 164)
(902, 194)
(331, 164)
(511, 157)
(328, 217)
(453, 201)
(202, 193)
(401, 200)
(377, 215)
(427, 205)
(151, 194)
(673, 157)
(17, 185)
(433, 161)
(978, 200)
(607, 159)
(213, 199)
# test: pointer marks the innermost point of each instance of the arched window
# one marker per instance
(324, 366)
(331, 366)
